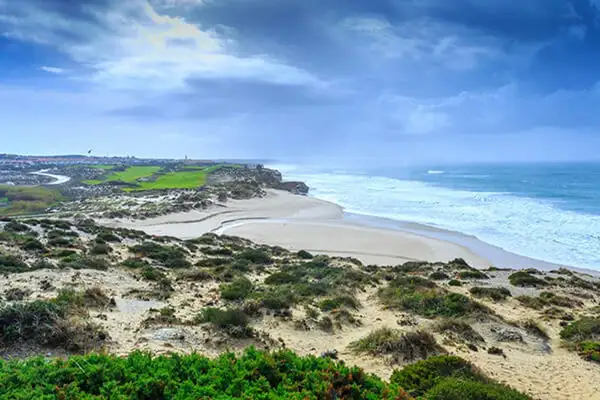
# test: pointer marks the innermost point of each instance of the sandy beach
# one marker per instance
(299, 222)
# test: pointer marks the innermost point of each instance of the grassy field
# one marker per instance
(176, 180)
(130, 175)
(17, 200)
(188, 177)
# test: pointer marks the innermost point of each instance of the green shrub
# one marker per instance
(197, 275)
(455, 282)
(338, 302)
(423, 297)
(251, 375)
(255, 256)
(282, 278)
(305, 255)
(16, 227)
(586, 328)
(277, 299)
(12, 264)
(547, 299)
(459, 329)
(108, 236)
(589, 350)
(401, 346)
(239, 289)
(420, 377)
(100, 249)
(472, 274)
(153, 274)
(29, 321)
(76, 261)
(439, 276)
(169, 256)
(60, 242)
(135, 263)
(461, 389)
(47, 324)
(525, 279)
(219, 251)
(234, 321)
(494, 293)
(33, 245)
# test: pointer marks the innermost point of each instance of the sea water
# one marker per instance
(549, 212)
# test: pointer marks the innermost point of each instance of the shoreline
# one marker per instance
(60, 179)
(308, 223)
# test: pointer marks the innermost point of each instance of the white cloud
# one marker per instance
(454, 47)
(53, 70)
(142, 49)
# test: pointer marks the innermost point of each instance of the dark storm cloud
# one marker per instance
(278, 72)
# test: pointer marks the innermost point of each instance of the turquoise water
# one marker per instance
(549, 212)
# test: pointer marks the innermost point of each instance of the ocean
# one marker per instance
(549, 212)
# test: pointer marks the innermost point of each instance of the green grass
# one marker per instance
(129, 175)
(104, 166)
(20, 200)
(176, 180)
(189, 177)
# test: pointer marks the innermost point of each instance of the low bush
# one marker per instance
(251, 375)
(219, 251)
(586, 328)
(239, 289)
(400, 346)
(135, 263)
(459, 389)
(16, 227)
(423, 297)
(282, 278)
(472, 274)
(12, 264)
(32, 244)
(60, 242)
(439, 276)
(197, 275)
(47, 324)
(455, 282)
(76, 261)
(108, 236)
(338, 302)
(458, 329)
(494, 293)
(497, 351)
(100, 249)
(525, 279)
(233, 321)
(420, 377)
(169, 256)
(547, 299)
(305, 255)
(277, 299)
(255, 256)
(153, 274)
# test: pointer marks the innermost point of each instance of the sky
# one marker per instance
(320, 81)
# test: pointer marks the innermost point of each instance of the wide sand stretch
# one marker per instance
(299, 222)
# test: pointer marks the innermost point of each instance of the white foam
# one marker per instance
(435, 172)
(525, 226)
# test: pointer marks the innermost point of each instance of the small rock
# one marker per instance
(169, 334)
(507, 335)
